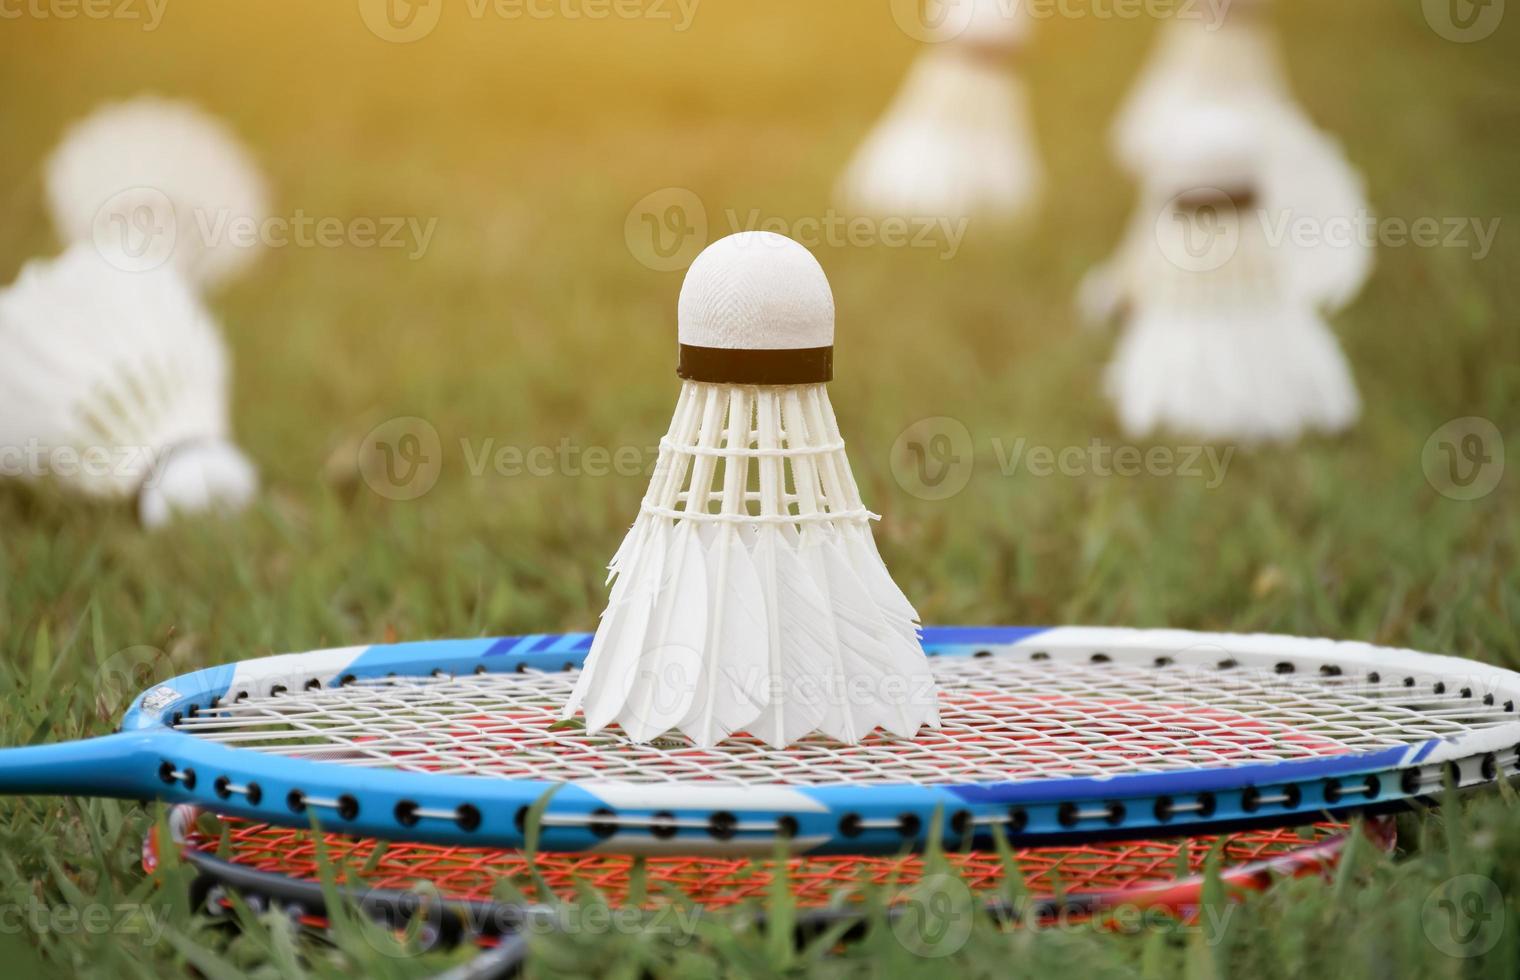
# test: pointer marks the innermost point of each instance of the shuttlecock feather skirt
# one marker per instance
(749, 595)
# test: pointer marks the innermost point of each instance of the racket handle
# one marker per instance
(112, 765)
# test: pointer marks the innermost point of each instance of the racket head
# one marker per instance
(485, 894)
(1054, 735)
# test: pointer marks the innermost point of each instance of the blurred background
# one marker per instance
(545, 175)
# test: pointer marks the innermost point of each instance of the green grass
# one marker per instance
(528, 320)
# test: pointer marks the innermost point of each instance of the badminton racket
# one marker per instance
(456, 891)
(1052, 735)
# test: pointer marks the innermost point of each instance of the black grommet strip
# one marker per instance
(909, 825)
(1284, 667)
(1164, 809)
(1409, 782)
(984, 654)
(1018, 819)
(346, 680)
(187, 779)
(602, 828)
(786, 828)
(723, 825)
(1250, 799)
(255, 794)
(277, 690)
(1100, 658)
(1330, 670)
(1228, 664)
(960, 822)
(1115, 813)
(1374, 787)
(1067, 815)
(1207, 804)
(1163, 661)
(1440, 687)
(662, 826)
(296, 800)
(220, 786)
(849, 825)
(166, 772)
(1490, 766)
(725, 366)
(1332, 792)
(520, 819)
(1037, 655)
(1293, 796)
(467, 816)
(1374, 678)
(313, 685)
(406, 813)
(348, 807)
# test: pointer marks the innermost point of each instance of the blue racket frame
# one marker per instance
(150, 758)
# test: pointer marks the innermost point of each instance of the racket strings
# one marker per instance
(478, 873)
(1005, 718)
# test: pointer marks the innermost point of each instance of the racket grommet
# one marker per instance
(1039, 655)
(1250, 799)
(220, 786)
(1490, 766)
(406, 813)
(480, 668)
(1488, 700)
(520, 819)
(1164, 809)
(1284, 667)
(468, 817)
(187, 778)
(315, 684)
(1207, 804)
(1409, 682)
(346, 680)
(1293, 795)
(277, 689)
(240, 697)
(1067, 815)
(1330, 670)
(348, 807)
(662, 825)
(984, 654)
(723, 825)
(255, 794)
(1409, 782)
(786, 827)
(296, 800)
(1162, 662)
(960, 822)
(1374, 678)
(1228, 664)
(909, 825)
(1332, 792)
(1116, 813)
(1439, 687)
(602, 828)
(166, 772)
(1018, 819)
(175, 719)
(1100, 658)
(849, 825)
(1373, 787)
(1466, 692)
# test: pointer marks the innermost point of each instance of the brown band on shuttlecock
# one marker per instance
(1202, 197)
(726, 366)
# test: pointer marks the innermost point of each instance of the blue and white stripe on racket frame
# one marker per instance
(1053, 735)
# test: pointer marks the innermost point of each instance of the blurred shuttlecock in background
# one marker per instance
(1218, 342)
(957, 141)
(115, 383)
(152, 180)
(1312, 200)
(749, 594)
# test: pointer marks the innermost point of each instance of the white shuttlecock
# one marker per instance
(749, 595)
(155, 181)
(1312, 199)
(1219, 345)
(115, 383)
(958, 140)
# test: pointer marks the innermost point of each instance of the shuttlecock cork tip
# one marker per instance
(756, 309)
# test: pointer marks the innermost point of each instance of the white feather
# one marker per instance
(126, 370)
(956, 143)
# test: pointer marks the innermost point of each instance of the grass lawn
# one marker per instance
(530, 317)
